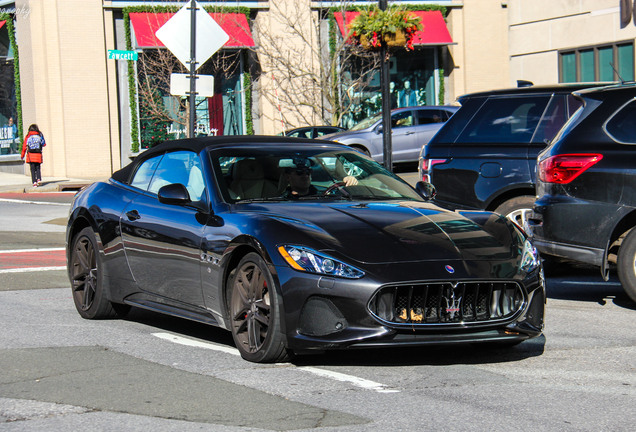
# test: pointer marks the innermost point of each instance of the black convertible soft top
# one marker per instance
(198, 144)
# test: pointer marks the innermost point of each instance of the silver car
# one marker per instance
(412, 127)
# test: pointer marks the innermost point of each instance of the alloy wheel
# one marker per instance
(520, 217)
(251, 308)
(84, 273)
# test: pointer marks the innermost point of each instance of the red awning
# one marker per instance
(2, 23)
(145, 24)
(435, 31)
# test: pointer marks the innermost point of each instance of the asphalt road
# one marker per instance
(60, 372)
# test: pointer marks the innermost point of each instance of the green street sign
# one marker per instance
(122, 55)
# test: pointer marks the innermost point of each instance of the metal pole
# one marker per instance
(387, 145)
(193, 66)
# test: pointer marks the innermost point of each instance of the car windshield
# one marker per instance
(266, 174)
(363, 124)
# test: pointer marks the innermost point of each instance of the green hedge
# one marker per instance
(16, 71)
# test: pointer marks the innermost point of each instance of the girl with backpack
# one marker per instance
(32, 147)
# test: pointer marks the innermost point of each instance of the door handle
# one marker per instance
(133, 215)
(409, 133)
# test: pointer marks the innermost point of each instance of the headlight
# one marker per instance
(308, 260)
(530, 258)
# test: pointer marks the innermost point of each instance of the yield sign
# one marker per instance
(175, 35)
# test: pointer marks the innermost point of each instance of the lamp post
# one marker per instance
(387, 145)
(193, 68)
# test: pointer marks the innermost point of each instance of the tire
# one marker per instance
(255, 313)
(85, 274)
(626, 264)
(517, 209)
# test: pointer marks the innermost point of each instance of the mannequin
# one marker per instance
(408, 96)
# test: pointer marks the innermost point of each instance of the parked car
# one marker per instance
(212, 230)
(312, 131)
(411, 128)
(485, 155)
(586, 187)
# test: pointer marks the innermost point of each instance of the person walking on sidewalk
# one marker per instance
(32, 147)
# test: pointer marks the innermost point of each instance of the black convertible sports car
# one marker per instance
(298, 245)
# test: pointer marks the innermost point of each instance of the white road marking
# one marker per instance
(17, 201)
(356, 381)
(31, 269)
(193, 343)
(31, 250)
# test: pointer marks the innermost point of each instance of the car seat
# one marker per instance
(249, 181)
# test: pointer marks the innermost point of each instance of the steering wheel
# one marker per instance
(337, 185)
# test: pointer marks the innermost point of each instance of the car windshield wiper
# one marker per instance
(252, 200)
(323, 197)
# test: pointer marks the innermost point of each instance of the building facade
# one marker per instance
(287, 63)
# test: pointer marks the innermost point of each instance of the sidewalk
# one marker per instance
(20, 183)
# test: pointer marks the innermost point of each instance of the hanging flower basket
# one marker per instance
(396, 40)
(393, 27)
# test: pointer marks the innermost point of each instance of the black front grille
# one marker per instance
(447, 303)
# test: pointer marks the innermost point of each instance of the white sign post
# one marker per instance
(182, 43)
(180, 85)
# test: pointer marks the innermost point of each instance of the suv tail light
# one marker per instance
(564, 168)
(426, 165)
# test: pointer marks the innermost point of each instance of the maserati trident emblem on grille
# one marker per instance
(449, 269)
(452, 303)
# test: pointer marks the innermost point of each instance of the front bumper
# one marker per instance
(326, 313)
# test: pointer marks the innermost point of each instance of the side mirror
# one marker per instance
(379, 129)
(175, 194)
(426, 190)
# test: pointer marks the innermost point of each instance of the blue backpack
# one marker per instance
(35, 143)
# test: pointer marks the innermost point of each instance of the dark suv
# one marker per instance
(586, 188)
(484, 157)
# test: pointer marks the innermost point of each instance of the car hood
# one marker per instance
(388, 232)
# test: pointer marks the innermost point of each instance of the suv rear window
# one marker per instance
(622, 126)
(519, 119)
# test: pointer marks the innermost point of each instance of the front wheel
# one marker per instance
(85, 274)
(255, 312)
(518, 210)
(626, 264)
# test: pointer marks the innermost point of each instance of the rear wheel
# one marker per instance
(85, 273)
(626, 264)
(518, 210)
(255, 312)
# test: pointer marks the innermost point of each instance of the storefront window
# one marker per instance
(412, 83)
(163, 116)
(9, 139)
